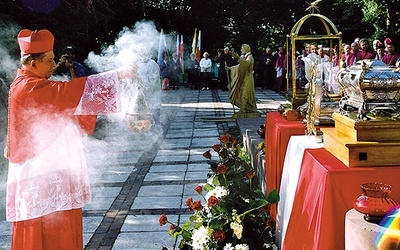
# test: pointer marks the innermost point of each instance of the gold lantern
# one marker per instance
(319, 29)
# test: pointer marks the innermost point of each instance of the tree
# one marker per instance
(90, 25)
(381, 15)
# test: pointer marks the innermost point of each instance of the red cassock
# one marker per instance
(48, 182)
(365, 55)
(391, 59)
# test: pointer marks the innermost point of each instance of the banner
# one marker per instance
(198, 46)
(162, 46)
(194, 41)
(180, 54)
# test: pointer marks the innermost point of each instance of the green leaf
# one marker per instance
(187, 236)
(258, 203)
(273, 196)
(208, 187)
(197, 224)
(216, 181)
(186, 225)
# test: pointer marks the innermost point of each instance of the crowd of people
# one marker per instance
(361, 49)
(273, 67)
(270, 70)
(204, 73)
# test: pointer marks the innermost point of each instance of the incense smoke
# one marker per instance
(132, 46)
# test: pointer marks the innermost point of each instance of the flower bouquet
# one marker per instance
(233, 212)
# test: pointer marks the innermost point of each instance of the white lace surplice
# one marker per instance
(57, 178)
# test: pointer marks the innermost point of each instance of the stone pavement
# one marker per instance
(137, 177)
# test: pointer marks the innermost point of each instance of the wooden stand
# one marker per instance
(371, 130)
(363, 143)
(293, 115)
(360, 153)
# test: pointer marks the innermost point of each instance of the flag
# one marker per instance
(162, 46)
(198, 46)
(194, 41)
(180, 54)
(177, 44)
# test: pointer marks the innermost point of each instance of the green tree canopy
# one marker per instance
(88, 25)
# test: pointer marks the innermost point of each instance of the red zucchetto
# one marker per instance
(388, 41)
(33, 42)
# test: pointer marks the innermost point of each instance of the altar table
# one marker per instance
(290, 176)
(325, 191)
(277, 135)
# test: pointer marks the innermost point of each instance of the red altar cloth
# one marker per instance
(277, 135)
(325, 192)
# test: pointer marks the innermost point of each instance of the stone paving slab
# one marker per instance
(171, 158)
(168, 168)
(206, 132)
(204, 142)
(165, 202)
(174, 143)
(199, 166)
(102, 203)
(172, 176)
(143, 241)
(188, 189)
(146, 223)
(160, 190)
(196, 175)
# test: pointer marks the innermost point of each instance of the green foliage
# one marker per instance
(90, 25)
(375, 12)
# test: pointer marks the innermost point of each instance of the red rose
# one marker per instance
(249, 174)
(189, 202)
(224, 138)
(223, 153)
(199, 189)
(232, 139)
(214, 166)
(222, 169)
(163, 219)
(172, 227)
(270, 223)
(219, 235)
(196, 206)
(212, 201)
(217, 147)
(207, 154)
(266, 208)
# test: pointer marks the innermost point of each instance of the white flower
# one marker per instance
(218, 192)
(237, 229)
(200, 237)
(197, 217)
(241, 247)
(236, 217)
(270, 246)
(228, 246)
(206, 210)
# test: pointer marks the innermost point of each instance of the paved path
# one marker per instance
(135, 178)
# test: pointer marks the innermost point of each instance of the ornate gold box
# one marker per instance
(367, 128)
(371, 88)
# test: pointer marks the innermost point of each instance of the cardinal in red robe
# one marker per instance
(47, 182)
(391, 57)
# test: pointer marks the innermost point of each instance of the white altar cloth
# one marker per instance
(290, 176)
